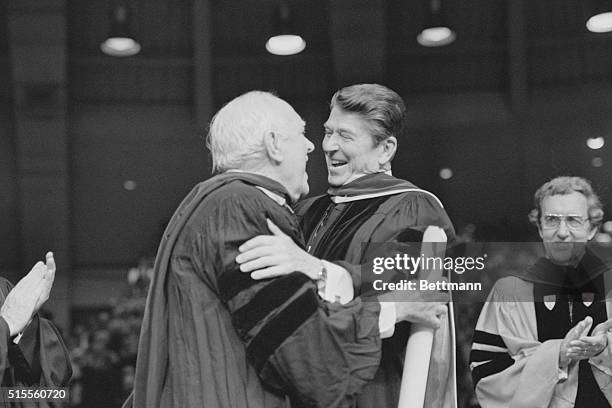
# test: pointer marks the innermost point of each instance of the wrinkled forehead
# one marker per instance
(574, 203)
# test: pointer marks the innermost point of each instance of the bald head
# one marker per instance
(237, 131)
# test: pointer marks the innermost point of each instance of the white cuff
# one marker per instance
(562, 374)
(338, 285)
(386, 320)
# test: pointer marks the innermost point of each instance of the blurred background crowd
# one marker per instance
(103, 344)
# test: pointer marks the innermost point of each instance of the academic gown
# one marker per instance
(39, 360)
(346, 226)
(213, 337)
(515, 351)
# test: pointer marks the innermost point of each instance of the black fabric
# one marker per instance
(337, 240)
(23, 371)
(553, 323)
(192, 351)
(571, 288)
(546, 272)
(234, 281)
(316, 211)
(280, 328)
(410, 236)
(492, 367)
(351, 233)
(267, 300)
(477, 356)
(589, 395)
(395, 346)
(499, 361)
(488, 339)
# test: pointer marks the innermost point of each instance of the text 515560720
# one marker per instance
(34, 394)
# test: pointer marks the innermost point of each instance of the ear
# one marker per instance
(271, 144)
(592, 232)
(388, 146)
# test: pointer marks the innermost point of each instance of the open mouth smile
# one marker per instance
(337, 163)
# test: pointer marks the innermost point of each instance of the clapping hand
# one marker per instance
(27, 297)
(567, 353)
(589, 346)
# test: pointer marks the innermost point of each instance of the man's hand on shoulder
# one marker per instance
(269, 256)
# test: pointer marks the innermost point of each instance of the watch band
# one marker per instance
(322, 276)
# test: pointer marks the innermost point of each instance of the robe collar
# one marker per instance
(280, 200)
(268, 186)
(546, 272)
(369, 184)
(374, 185)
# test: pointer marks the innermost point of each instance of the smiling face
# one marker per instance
(563, 235)
(350, 149)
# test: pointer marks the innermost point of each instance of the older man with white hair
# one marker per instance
(214, 336)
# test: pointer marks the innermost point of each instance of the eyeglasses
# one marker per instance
(573, 222)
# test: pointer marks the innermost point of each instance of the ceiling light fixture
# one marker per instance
(284, 40)
(120, 42)
(600, 19)
(595, 142)
(600, 23)
(436, 32)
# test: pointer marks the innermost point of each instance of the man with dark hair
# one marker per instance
(533, 344)
(213, 336)
(364, 207)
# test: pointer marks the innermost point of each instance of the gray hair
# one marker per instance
(236, 132)
(568, 185)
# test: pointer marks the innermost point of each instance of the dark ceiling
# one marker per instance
(551, 35)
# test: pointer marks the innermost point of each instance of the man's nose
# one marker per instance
(329, 143)
(310, 146)
(563, 231)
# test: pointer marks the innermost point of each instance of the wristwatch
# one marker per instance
(322, 276)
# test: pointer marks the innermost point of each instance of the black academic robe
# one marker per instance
(39, 360)
(515, 350)
(214, 337)
(380, 209)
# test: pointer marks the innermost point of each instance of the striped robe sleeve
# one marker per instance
(319, 354)
(510, 367)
